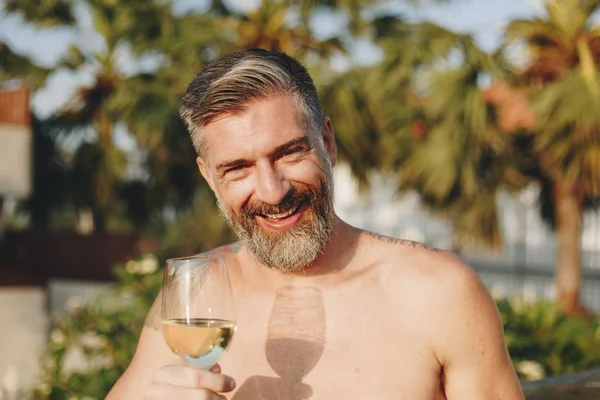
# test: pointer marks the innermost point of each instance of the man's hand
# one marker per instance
(175, 382)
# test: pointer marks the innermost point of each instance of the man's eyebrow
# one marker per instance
(231, 163)
(302, 141)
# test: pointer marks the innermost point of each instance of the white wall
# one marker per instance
(22, 338)
(25, 322)
(15, 157)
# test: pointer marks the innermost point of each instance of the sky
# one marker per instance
(483, 18)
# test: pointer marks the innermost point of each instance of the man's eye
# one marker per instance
(293, 151)
(236, 168)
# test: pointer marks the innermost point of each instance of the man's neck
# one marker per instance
(337, 255)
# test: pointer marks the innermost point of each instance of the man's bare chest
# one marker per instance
(306, 344)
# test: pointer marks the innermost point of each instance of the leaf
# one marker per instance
(74, 58)
(47, 13)
(16, 66)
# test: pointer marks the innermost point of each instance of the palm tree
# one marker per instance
(147, 104)
(428, 123)
(14, 66)
(275, 25)
(438, 131)
(98, 166)
(348, 100)
(561, 77)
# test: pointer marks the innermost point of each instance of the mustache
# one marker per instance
(292, 200)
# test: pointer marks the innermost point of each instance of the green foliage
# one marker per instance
(199, 229)
(47, 13)
(544, 342)
(17, 66)
(561, 75)
(569, 138)
(92, 345)
(448, 151)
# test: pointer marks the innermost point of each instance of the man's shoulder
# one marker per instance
(408, 256)
(231, 248)
(434, 281)
(426, 268)
(400, 244)
(441, 289)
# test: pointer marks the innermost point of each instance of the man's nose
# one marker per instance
(271, 186)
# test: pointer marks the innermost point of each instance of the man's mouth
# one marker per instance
(281, 215)
(284, 220)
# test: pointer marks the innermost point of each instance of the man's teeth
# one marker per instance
(281, 215)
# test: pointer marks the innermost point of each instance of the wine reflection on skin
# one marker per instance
(296, 336)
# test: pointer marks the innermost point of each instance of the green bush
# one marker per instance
(544, 342)
(91, 346)
(102, 336)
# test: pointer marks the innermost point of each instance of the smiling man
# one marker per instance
(325, 310)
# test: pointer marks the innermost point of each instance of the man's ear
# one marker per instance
(329, 140)
(205, 171)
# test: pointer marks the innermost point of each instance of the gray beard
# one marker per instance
(300, 246)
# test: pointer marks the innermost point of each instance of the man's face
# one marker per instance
(273, 180)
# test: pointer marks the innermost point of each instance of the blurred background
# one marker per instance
(471, 125)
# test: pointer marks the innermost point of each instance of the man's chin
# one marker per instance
(289, 250)
(287, 268)
(285, 255)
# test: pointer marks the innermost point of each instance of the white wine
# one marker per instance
(198, 341)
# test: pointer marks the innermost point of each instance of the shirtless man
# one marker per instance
(325, 310)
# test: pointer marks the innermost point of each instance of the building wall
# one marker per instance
(25, 329)
(15, 142)
(22, 339)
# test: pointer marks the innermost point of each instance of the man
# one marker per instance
(325, 310)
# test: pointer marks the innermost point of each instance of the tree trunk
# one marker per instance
(99, 219)
(568, 215)
(103, 185)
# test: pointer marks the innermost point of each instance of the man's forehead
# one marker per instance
(265, 125)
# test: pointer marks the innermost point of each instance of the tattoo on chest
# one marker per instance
(153, 319)
(402, 242)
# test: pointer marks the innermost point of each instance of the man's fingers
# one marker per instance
(164, 391)
(216, 369)
(194, 378)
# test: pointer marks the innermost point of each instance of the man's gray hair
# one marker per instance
(229, 84)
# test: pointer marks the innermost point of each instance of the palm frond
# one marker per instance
(17, 66)
(47, 13)
(537, 33)
(568, 132)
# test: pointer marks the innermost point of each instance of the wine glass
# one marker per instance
(198, 314)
